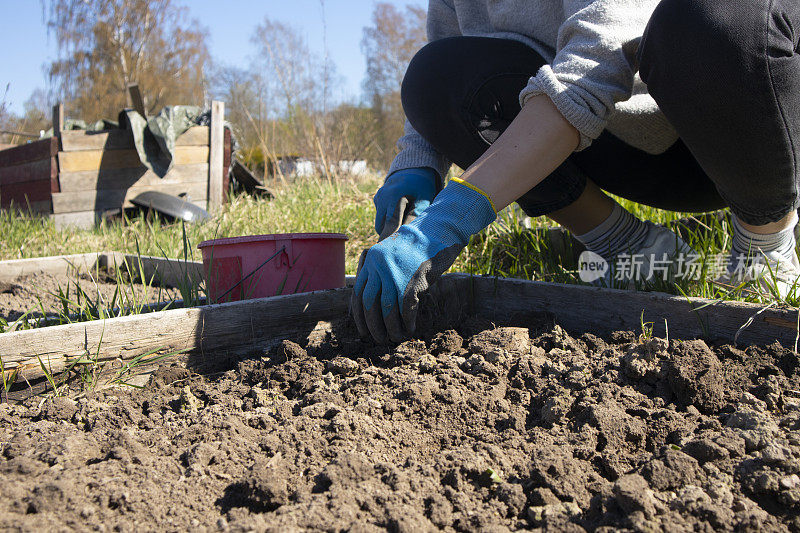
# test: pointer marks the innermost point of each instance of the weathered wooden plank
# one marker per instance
(94, 160)
(24, 193)
(81, 220)
(88, 219)
(227, 154)
(112, 159)
(601, 311)
(74, 141)
(211, 333)
(32, 151)
(31, 171)
(135, 99)
(104, 199)
(248, 181)
(216, 156)
(58, 119)
(163, 271)
(58, 265)
(194, 136)
(90, 180)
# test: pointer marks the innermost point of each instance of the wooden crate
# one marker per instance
(76, 176)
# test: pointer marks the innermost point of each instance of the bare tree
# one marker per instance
(36, 116)
(106, 44)
(296, 84)
(294, 77)
(388, 45)
(281, 106)
(243, 93)
(6, 119)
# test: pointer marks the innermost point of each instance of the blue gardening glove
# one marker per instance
(403, 197)
(398, 269)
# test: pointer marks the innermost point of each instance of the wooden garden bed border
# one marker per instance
(212, 334)
(164, 271)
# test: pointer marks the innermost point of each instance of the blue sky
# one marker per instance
(27, 48)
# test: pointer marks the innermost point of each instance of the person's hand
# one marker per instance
(404, 196)
(394, 272)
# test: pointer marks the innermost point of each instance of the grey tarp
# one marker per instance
(154, 137)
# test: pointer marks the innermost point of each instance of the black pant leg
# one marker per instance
(673, 181)
(727, 76)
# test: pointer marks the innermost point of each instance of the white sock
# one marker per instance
(620, 233)
(747, 243)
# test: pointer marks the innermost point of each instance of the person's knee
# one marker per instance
(425, 86)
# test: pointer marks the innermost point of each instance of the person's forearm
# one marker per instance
(536, 142)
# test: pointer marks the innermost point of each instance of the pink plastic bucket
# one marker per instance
(302, 262)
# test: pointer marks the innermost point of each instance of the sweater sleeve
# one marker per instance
(442, 20)
(414, 150)
(594, 66)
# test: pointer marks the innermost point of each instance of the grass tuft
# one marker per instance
(514, 246)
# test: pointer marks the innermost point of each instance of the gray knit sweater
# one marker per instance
(590, 47)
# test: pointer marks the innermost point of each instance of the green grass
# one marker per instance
(307, 206)
(93, 373)
(506, 248)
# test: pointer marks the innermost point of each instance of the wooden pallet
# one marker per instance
(77, 176)
(213, 335)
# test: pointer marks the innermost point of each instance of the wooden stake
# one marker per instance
(58, 119)
(135, 99)
(216, 157)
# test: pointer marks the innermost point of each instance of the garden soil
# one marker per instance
(474, 428)
(28, 294)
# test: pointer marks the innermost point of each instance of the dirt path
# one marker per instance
(501, 431)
